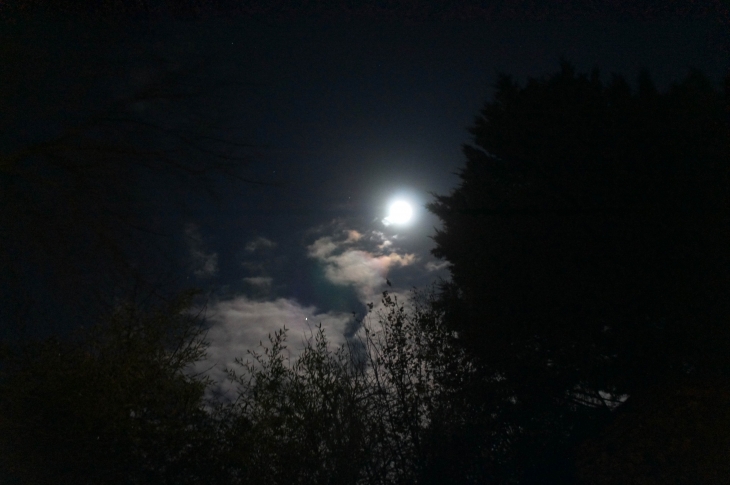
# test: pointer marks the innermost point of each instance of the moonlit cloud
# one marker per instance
(363, 270)
(241, 324)
(350, 266)
(322, 248)
(358, 259)
(352, 236)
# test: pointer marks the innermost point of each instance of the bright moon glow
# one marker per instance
(400, 212)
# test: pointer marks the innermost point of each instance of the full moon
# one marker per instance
(400, 212)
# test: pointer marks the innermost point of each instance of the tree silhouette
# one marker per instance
(587, 242)
(112, 406)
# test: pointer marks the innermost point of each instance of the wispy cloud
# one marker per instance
(258, 258)
(262, 282)
(259, 244)
(205, 264)
(436, 265)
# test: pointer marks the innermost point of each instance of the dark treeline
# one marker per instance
(582, 338)
(588, 248)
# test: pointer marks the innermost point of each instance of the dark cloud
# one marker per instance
(259, 244)
(205, 264)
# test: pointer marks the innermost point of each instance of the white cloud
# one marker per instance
(240, 324)
(364, 270)
(205, 263)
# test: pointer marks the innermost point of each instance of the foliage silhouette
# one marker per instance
(370, 412)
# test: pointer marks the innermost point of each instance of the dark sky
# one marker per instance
(347, 117)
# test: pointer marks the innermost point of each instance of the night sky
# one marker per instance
(345, 117)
